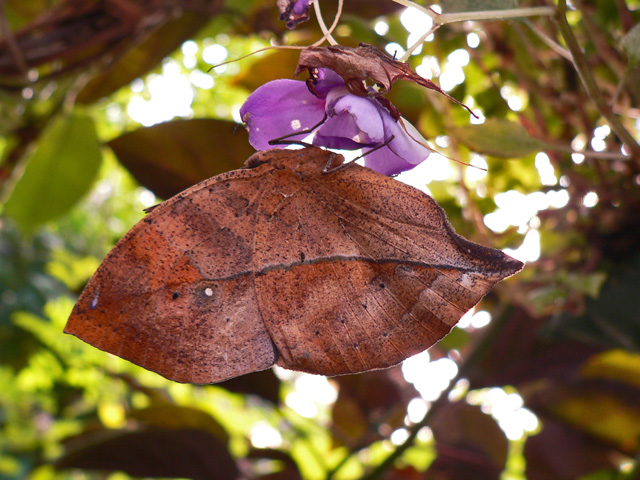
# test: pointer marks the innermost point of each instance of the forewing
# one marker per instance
(176, 294)
(371, 272)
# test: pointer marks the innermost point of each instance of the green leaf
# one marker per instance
(611, 320)
(454, 6)
(500, 138)
(617, 364)
(631, 45)
(172, 416)
(170, 157)
(59, 173)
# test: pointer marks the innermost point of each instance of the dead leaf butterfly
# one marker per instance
(283, 263)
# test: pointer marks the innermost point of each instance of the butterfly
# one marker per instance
(297, 260)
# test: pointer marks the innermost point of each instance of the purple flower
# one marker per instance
(294, 11)
(283, 107)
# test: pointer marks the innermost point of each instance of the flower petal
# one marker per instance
(279, 108)
(341, 131)
(353, 122)
(408, 142)
(386, 162)
(301, 6)
(366, 113)
(403, 153)
(325, 81)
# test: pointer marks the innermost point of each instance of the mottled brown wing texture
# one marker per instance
(176, 294)
(367, 271)
(329, 273)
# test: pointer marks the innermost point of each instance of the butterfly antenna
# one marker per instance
(425, 145)
(326, 36)
(274, 47)
(283, 139)
(327, 168)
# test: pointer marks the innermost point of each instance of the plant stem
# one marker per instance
(327, 32)
(388, 462)
(444, 18)
(440, 19)
(581, 66)
(549, 42)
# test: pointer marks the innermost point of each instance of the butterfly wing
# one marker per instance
(327, 273)
(176, 294)
(367, 272)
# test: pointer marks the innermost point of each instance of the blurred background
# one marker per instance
(108, 107)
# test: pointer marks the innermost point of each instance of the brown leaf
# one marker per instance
(170, 157)
(370, 403)
(521, 353)
(470, 444)
(559, 452)
(358, 65)
(156, 452)
(264, 384)
(280, 262)
(288, 468)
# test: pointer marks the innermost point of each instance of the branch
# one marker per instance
(590, 85)
(326, 33)
(440, 19)
(388, 462)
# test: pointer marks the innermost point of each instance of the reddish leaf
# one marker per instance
(519, 353)
(286, 470)
(559, 452)
(156, 452)
(170, 157)
(369, 404)
(264, 384)
(470, 444)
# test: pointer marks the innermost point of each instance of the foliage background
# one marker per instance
(549, 389)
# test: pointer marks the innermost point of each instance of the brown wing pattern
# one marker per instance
(375, 273)
(176, 294)
(327, 273)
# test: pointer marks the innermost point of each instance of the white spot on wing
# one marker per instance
(295, 124)
(94, 302)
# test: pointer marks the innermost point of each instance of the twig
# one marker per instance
(549, 42)
(588, 153)
(420, 41)
(7, 35)
(444, 18)
(590, 85)
(388, 462)
(440, 19)
(326, 34)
